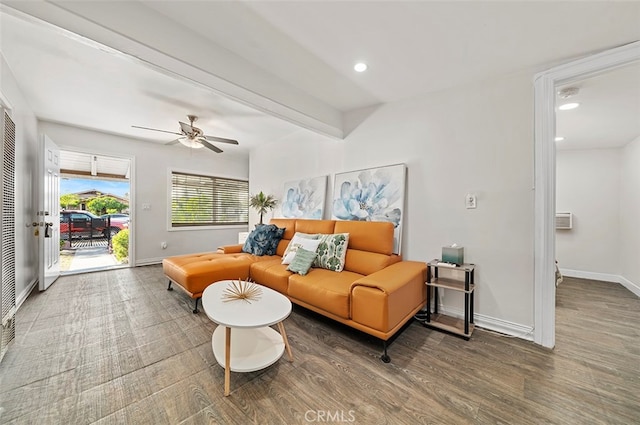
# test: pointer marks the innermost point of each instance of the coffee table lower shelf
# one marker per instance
(251, 349)
(449, 324)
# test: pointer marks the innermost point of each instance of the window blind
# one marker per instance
(198, 200)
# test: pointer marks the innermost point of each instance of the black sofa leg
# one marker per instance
(195, 307)
(195, 310)
(385, 357)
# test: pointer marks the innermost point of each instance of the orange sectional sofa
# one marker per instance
(376, 293)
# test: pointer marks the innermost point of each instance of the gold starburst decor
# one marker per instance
(242, 290)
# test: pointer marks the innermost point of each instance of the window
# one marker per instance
(208, 201)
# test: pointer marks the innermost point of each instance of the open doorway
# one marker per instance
(95, 211)
(545, 85)
(596, 186)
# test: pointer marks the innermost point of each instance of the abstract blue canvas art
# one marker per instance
(374, 194)
(304, 198)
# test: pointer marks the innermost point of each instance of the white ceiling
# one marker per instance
(78, 164)
(288, 65)
(73, 81)
(609, 111)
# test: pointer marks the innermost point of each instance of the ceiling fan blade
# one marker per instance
(186, 128)
(173, 142)
(210, 146)
(221, 140)
(155, 129)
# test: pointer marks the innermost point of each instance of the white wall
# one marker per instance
(477, 139)
(588, 185)
(152, 163)
(25, 181)
(301, 155)
(630, 214)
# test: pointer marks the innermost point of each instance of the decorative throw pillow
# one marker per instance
(302, 261)
(263, 240)
(296, 239)
(306, 241)
(332, 251)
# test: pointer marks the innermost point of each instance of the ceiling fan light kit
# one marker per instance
(193, 137)
(190, 143)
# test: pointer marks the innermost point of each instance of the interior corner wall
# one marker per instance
(25, 182)
(150, 186)
(588, 186)
(473, 139)
(630, 213)
(300, 155)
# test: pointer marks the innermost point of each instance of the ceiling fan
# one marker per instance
(193, 137)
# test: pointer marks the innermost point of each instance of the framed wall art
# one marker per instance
(304, 198)
(374, 194)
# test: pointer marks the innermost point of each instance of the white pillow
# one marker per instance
(296, 239)
(308, 244)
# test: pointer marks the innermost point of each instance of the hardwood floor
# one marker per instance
(115, 347)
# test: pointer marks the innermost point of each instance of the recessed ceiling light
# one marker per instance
(360, 67)
(567, 106)
(559, 138)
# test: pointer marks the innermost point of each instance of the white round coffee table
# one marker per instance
(253, 344)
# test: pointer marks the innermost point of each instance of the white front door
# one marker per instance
(49, 214)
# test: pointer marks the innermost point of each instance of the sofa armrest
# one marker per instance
(386, 299)
(231, 249)
(397, 275)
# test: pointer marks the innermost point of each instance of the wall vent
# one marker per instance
(564, 220)
(7, 232)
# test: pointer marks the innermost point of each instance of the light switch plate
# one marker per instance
(470, 201)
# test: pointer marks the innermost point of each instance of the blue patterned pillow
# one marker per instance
(263, 240)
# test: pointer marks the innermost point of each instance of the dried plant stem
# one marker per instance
(242, 290)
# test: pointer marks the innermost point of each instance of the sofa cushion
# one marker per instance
(194, 272)
(365, 262)
(324, 289)
(300, 240)
(315, 226)
(263, 240)
(372, 236)
(332, 251)
(282, 247)
(289, 224)
(271, 273)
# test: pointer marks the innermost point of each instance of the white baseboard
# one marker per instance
(604, 277)
(494, 324)
(149, 261)
(24, 294)
(630, 286)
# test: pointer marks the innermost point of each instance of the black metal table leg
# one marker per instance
(466, 303)
(428, 303)
(471, 305)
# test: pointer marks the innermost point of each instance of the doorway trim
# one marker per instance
(545, 175)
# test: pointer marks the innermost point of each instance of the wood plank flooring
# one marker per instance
(115, 347)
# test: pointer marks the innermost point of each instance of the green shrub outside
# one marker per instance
(120, 243)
